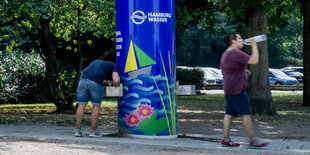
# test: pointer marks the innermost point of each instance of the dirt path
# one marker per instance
(44, 138)
(188, 123)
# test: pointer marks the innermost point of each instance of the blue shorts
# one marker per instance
(238, 104)
(89, 90)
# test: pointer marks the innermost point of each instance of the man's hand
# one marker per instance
(252, 42)
(116, 79)
(254, 59)
(107, 82)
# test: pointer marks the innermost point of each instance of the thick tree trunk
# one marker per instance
(259, 87)
(306, 52)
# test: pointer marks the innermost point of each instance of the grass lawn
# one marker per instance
(288, 107)
(210, 106)
(107, 104)
(44, 112)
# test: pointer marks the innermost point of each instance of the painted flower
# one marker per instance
(132, 119)
(145, 111)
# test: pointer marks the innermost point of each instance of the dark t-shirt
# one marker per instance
(99, 70)
(233, 65)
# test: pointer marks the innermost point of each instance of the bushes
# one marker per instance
(190, 77)
(22, 78)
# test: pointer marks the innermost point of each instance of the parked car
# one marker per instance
(216, 73)
(215, 70)
(294, 68)
(208, 77)
(277, 77)
(299, 76)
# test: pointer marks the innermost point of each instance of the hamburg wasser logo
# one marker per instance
(138, 17)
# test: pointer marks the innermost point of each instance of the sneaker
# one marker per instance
(94, 134)
(229, 143)
(258, 143)
(78, 133)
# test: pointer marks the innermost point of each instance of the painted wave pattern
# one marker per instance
(143, 90)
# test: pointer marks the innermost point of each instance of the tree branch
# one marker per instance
(32, 40)
(108, 52)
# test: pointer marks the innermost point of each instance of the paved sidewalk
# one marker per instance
(42, 138)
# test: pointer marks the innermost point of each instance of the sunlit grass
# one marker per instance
(215, 97)
(107, 104)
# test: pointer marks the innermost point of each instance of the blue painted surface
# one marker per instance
(149, 25)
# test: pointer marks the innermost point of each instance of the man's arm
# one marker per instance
(116, 79)
(254, 59)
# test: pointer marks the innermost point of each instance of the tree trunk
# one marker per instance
(306, 51)
(80, 59)
(52, 70)
(259, 87)
(50, 59)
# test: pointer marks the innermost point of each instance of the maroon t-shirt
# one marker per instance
(233, 65)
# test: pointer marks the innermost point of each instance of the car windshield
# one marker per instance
(292, 73)
(278, 73)
(218, 72)
(208, 72)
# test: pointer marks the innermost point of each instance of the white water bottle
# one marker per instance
(258, 38)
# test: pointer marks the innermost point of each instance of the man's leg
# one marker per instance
(80, 115)
(227, 123)
(254, 142)
(94, 117)
(247, 123)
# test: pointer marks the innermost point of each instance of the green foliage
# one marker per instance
(286, 46)
(22, 78)
(281, 13)
(201, 28)
(189, 13)
(66, 85)
(190, 77)
(37, 24)
(202, 39)
(93, 16)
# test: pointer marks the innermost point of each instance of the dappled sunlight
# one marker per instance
(273, 132)
(291, 112)
(27, 108)
(221, 130)
(191, 120)
(234, 130)
(304, 151)
(191, 111)
(39, 108)
(200, 111)
(265, 126)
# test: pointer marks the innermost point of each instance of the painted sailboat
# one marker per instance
(145, 62)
